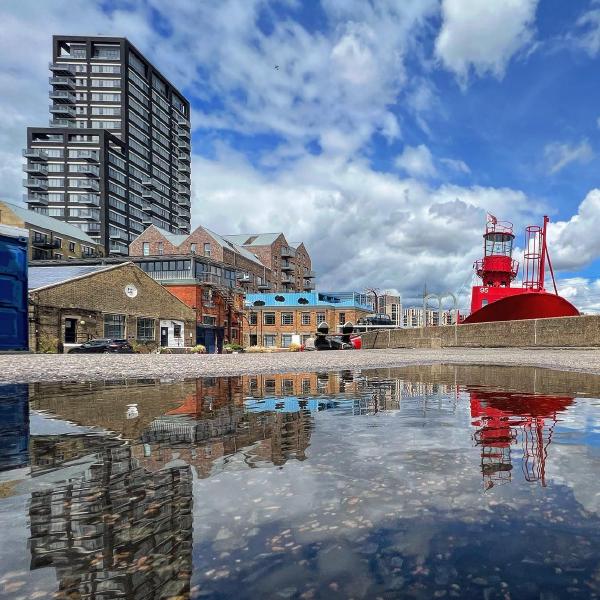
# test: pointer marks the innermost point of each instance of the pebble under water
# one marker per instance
(425, 482)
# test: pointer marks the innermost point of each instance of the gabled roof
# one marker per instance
(253, 239)
(43, 277)
(60, 227)
(225, 243)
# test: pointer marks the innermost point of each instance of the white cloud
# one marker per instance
(559, 155)
(584, 293)
(416, 161)
(587, 31)
(460, 166)
(575, 243)
(483, 35)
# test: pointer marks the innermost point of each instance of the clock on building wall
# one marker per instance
(130, 290)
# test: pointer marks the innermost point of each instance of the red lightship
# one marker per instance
(494, 299)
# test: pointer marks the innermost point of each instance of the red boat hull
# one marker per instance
(527, 305)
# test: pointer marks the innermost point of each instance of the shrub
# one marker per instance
(257, 349)
(295, 347)
(198, 349)
(47, 344)
(233, 347)
(164, 350)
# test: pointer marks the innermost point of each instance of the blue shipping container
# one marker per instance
(13, 288)
(14, 426)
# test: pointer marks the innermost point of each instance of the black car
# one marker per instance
(379, 319)
(105, 345)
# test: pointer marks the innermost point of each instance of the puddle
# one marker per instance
(418, 482)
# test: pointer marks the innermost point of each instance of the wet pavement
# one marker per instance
(418, 482)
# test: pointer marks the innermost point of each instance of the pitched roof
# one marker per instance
(61, 227)
(225, 243)
(41, 277)
(253, 239)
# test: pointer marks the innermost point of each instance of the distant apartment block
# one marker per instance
(418, 317)
(116, 155)
(289, 262)
(387, 304)
(49, 238)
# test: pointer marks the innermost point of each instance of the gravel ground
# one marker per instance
(27, 368)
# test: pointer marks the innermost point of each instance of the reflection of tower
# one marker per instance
(119, 531)
(291, 436)
(503, 420)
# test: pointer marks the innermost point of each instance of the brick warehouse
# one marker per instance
(273, 319)
(72, 304)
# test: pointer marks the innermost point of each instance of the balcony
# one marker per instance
(183, 122)
(84, 199)
(88, 215)
(286, 265)
(61, 69)
(185, 202)
(93, 229)
(182, 133)
(243, 278)
(45, 243)
(184, 157)
(91, 155)
(286, 279)
(63, 110)
(34, 168)
(264, 286)
(147, 219)
(63, 96)
(36, 184)
(118, 248)
(181, 143)
(91, 170)
(171, 275)
(36, 199)
(183, 190)
(183, 168)
(148, 182)
(309, 286)
(35, 154)
(85, 184)
(309, 275)
(181, 178)
(69, 123)
(118, 234)
(62, 83)
(150, 195)
(287, 252)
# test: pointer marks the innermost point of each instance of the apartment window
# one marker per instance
(146, 248)
(145, 329)
(269, 318)
(106, 83)
(106, 52)
(306, 386)
(160, 247)
(208, 320)
(286, 340)
(287, 318)
(253, 318)
(56, 212)
(111, 111)
(206, 249)
(193, 248)
(115, 69)
(105, 97)
(58, 256)
(269, 343)
(305, 318)
(106, 124)
(341, 318)
(58, 242)
(114, 326)
(71, 246)
(56, 168)
(320, 317)
(56, 182)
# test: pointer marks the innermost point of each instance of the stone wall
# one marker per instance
(563, 331)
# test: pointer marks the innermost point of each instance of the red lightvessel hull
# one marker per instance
(527, 305)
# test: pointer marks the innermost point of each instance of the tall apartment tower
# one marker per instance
(116, 156)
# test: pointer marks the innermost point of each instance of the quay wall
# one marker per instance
(544, 333)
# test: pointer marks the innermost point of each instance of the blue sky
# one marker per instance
(385, 135)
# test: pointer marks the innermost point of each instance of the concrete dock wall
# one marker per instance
(564, 332)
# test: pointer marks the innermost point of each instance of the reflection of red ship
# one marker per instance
(505, 419)
(495, 299)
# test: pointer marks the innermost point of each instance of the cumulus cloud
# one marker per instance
(559, 155)
(583, 292)
(587, 30)
(416, 161)
(460, 166)
(575, 243)
(483, 36)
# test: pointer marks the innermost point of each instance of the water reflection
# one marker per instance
(353, 484)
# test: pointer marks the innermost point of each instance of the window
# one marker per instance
(145, 329)
(176, 330)
(320, 317)
(160, 247)
(306, 386)
(58, 242)
(193, 248)
(58, 256)
(341, 318)
(305, 318)
(71, 246)
(208, 320)
(146, 248)
(269, 383)
(269, 343)
(116, 69)
(269, 318)
(286, 340)
(114, 326)
(253, 318)
(206, 249)
(287, 318)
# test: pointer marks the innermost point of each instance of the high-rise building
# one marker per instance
(116, 156)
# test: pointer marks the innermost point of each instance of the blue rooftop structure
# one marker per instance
(308, 299)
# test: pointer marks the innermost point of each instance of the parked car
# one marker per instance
(104, 345)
